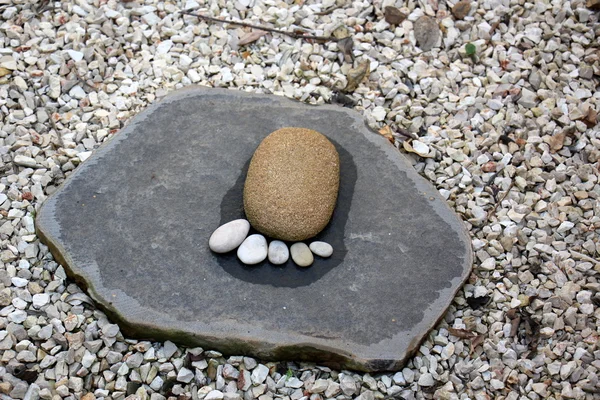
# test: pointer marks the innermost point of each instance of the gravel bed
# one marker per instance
(504, 107)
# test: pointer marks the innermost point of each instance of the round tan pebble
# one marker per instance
(292, 184)
(301, 254)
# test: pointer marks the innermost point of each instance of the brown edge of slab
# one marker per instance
(328, 356)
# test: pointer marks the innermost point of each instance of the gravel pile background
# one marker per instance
(504, 106)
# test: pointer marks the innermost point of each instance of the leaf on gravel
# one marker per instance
(356, 75)
(462, 333)
(4, 71)
(557, 141)
(532, 332)
(514, 325)
(593, 4)
(251, 37)
(427, 32)
(512, 313)
(393, 16)
(461, 9)
(476, 302)
(591, 118)
(386, 132)
(476, 341)
(346, 45)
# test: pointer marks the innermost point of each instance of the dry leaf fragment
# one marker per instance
(393, 16)
(593, 4)
(495, 26)
(356, 75)
(514, 325)
(557, 141)
(386, 131)
(461, 9)
(512, 313)
(476, 341)
(462, 333)
(251, 36)
(346, 45)
(4, 71)
(590, 119)
(532, 332)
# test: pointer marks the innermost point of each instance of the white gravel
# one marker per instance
(507, 135)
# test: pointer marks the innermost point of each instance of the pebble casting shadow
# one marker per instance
(131, 225)
(289, 274)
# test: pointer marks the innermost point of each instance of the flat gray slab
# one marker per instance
(132, 226)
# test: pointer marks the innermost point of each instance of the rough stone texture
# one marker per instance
(132, 225)
(292, 184)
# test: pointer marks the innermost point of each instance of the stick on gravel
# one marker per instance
(263, 28)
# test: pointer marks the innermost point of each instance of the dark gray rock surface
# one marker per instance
(132, 226)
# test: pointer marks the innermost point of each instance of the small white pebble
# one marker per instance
(321, 249)
(278, 252)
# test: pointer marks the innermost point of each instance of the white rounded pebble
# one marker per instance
(301, 254)
(322, 249)
(229, 236)
(278, 252)
(253, 250)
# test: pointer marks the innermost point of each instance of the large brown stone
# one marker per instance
(292, 184)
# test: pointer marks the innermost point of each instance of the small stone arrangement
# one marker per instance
(289, 195)
(253, 249)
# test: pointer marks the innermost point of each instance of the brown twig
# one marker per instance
(493, 210)
(263, 28)
(328, 11)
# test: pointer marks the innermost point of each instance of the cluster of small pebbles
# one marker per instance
(254, 249)
(507, 133)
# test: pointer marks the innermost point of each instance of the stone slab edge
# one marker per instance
(140, 322)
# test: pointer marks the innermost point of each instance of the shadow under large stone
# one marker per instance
(132, 226)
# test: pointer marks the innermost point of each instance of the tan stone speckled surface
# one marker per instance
(292, 184)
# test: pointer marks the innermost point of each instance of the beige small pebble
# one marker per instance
(301, 254)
